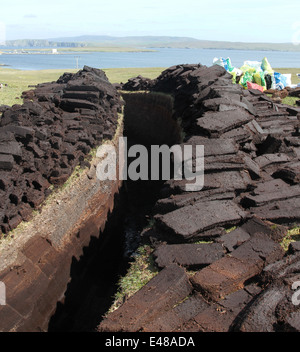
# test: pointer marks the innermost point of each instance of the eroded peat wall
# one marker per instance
(52, 202)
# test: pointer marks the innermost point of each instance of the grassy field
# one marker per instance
(18, 81)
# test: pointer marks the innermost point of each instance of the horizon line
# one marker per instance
(149, 36)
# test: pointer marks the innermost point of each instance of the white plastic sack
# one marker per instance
(221, 62)
(280, 80)
(237, 71)
(254, 64)
(288, 79)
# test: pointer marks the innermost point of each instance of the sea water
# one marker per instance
(159, 57)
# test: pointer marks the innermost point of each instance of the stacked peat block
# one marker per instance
(225, 238)
(138, 83)
(43, 140)
(278, 95)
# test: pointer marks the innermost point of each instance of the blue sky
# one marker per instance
(232, 20)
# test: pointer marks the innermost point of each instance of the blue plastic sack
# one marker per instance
(280, 81)
(221, 62)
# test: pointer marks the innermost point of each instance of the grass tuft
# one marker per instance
(292, 236)
(140, 272)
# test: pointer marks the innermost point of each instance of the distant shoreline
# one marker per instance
(70, 51)
(87, 50)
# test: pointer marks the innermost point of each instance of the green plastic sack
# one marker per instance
(233, 73)
(246, 68)
(247, 77)
(259, 78)
(266, 67)
(229, 65)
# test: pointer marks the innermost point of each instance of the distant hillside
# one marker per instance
(137, 40)
(206, 44)
(42, 43)
(149, 42)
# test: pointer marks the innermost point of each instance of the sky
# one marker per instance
(225, 20)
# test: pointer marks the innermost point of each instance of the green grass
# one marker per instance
(290, 101)
(231, 229)
(17, 82)
(292, 236)
(141, 271)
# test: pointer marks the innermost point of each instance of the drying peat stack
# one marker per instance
(244, 278)
(43, 140)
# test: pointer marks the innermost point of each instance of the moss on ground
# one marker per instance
(142, 269)
(292, 236)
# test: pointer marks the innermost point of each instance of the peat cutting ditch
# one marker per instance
(94, 279)
(68, 237)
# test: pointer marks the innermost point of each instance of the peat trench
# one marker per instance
(219, 251)
(94, 279)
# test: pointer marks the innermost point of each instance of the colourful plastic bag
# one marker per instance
(254, 86)
(247, 77)
(253, 64)
(221, 62)
(259, 78)
(280, 81)
(246, 68)
(256, 72)
(288, 77)
(229, 65)
(233, 73)
(266, 67)
(226, 63)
